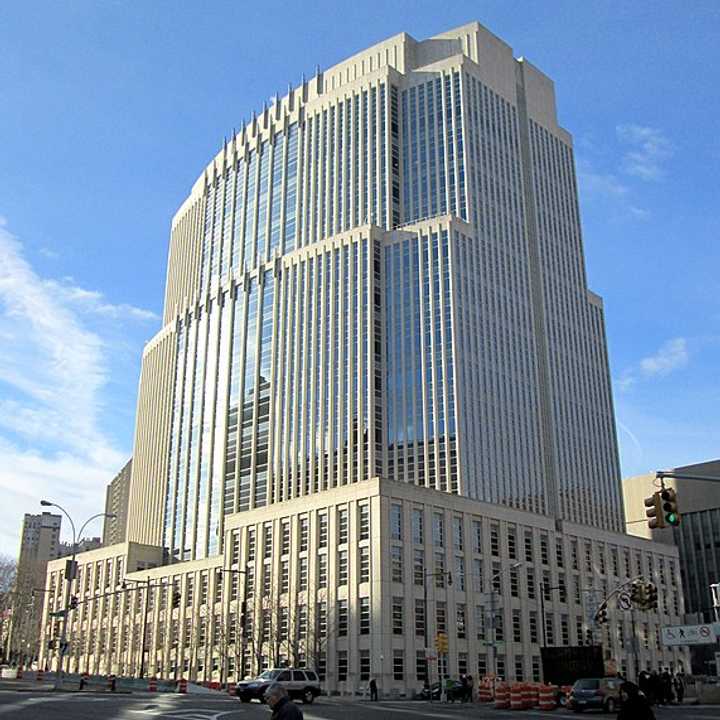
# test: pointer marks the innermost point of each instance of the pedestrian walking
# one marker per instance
(635, 706)
(470, 688)
(373, 690)
(283, 708)
(463, 688)
(679, 684)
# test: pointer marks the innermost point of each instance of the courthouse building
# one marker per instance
(379, 363)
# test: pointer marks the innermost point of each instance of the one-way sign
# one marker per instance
(689, 635)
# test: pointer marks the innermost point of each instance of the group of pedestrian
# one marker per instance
(662, 687)
(466, 688)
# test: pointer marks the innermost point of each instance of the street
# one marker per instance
(74, 706)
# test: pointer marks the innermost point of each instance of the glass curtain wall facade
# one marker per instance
(382, 274)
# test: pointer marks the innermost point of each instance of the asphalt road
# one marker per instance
(73, 706)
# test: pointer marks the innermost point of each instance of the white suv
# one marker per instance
(301, 684)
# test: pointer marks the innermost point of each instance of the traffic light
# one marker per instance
(637, 593)
(654, 512)
(441, 643)
(651, 596)
(601, 616)
(670, 513)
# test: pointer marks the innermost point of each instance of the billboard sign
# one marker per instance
(688, 635)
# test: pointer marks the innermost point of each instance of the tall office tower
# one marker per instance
(39, 543)
(117, 497)
(381, 275)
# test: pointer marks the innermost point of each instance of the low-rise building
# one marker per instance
(354, 581)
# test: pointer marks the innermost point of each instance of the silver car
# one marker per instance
(300, 683)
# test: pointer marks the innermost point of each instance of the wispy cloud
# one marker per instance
(54, 368)
(648, 151)
(671, 356)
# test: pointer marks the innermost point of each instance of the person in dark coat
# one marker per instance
(679, 684)
(668, 690)
(634, 705)
(373, 690)
(283, 708)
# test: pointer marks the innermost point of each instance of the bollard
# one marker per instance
(39, 676)
(20, 672)
(152, 684)
(516, 696)
(111, 683)
(547, 697)
(182, 685)
(502, 696)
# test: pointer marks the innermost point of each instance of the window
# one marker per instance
(482, 667)
(419, 567)
(267, 540)
(477, 575)
(564, 630)
(531, 583)
(396, 563)
(461, 619)
(559, 553)
(458, 534)
(420, 665)
(396, 522)
(304, 534)
(189, 587)
(303, 574)
(285, 536)
(342, 617)
(441, 616)
(516, 627)
(342, 567)
(519, 673)
(398, 664)
(459, 578)
(364, 665)
(364, 616)
(544, 552)
(549, 630)
(284, 576)
(342, 517)
(364, 510)
(322, 530)
(438, 530)
(494, 540)
(528, 546)
(322, 571)
(419, 617)
(512, 544)
(477, 536)
(321, 619)
(267, 578)
(514, 583)
(533, 626)
(397, 616)
(302, 621)
(342, 665)
(439, 569)
(418, 530)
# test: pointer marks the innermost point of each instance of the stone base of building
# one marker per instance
(357, 582)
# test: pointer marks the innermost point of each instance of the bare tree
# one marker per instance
(8, 574)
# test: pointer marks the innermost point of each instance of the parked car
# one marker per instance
(300, 683)
(595, 693)
(454, 692)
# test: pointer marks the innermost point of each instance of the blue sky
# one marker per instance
(110, 110)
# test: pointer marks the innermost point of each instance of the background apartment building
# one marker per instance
(380, 276)
(117, 498)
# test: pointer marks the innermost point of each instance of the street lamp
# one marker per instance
(69, 577)
(492, 666)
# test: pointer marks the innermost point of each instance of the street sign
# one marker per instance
(688, 635)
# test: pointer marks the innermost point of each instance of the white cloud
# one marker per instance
(649, 149)
(53, 375)
(672, 355)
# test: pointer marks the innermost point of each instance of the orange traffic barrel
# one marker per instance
(547, 697)
(516, 696)
(502, 696)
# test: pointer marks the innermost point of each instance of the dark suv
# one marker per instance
(599, 693)
(301, 684)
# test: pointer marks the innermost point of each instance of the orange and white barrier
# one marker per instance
(516, 696)
(547, 697)
(485, 694)
(530, 695)
(182, 685)
(502, 696)
(152, 684)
